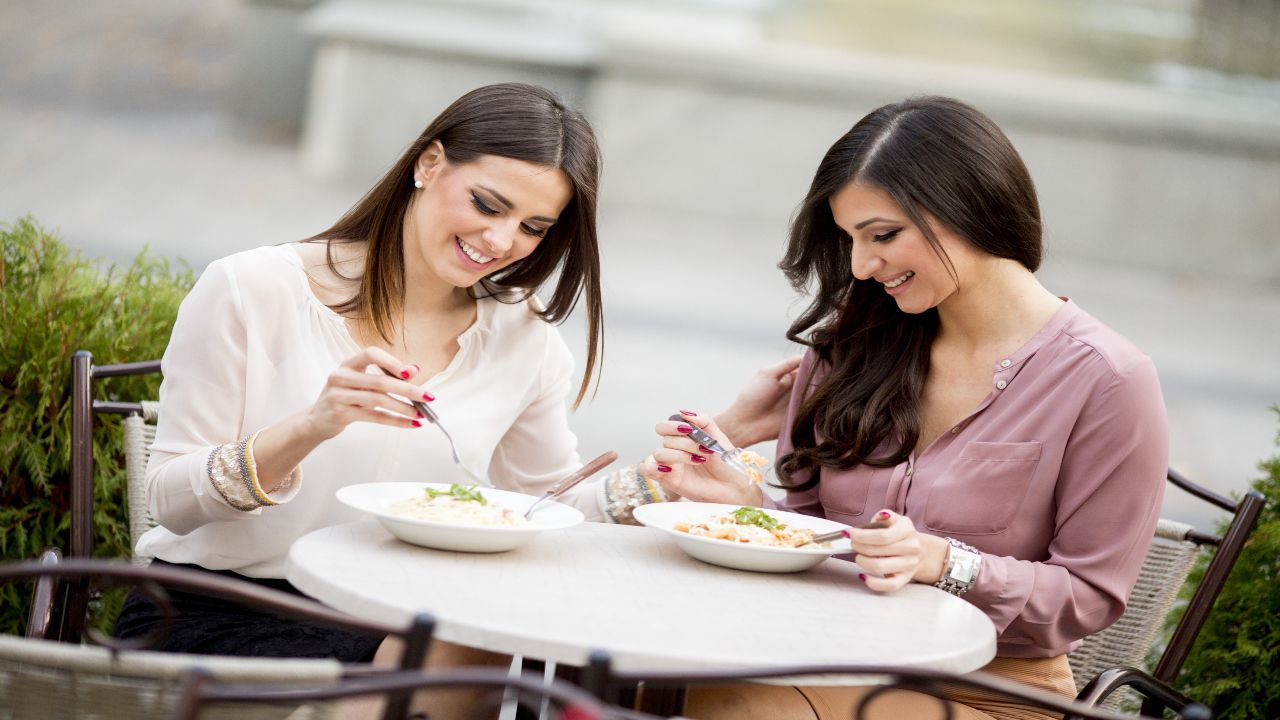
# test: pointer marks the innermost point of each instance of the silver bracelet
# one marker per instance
(234, 474)
(964, 564)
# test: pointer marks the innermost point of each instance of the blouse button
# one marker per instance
(955, 430)
(1000, 384)
(1006, 362)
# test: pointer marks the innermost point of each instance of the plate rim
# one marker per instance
(501, 529)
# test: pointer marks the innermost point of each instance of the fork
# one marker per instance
(729, 456)
(574, 478)
(876, 524)
(427, 412)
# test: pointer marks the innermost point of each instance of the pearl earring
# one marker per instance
(417, 183)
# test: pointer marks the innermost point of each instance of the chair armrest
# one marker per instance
(41, 619)
(1152, 690)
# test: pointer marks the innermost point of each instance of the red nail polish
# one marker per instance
(884, 515)
(428, 396)
(690, 413)
(405, 374)
(705, 449)
(682, 428)
(663, 468)
(697, 458)
(845, 533)
(420, 416)
(862, 577)
(417, 424)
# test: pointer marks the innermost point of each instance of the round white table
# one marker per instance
(631, 591)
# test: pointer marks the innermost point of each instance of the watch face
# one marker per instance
(966, 566)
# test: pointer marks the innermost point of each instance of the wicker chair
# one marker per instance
(1108, 660)
(46, 679)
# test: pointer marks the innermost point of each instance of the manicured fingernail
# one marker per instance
(428, 396)
(405, 374)
(663, 468)
(420, 415)
(845, 533)
(690, 413)
(682, 428)
(883, 515)
(697, 458)
(862, 577)
(705, 449)
(417, 424)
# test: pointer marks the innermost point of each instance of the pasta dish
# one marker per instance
(749, 526)
(459, 505)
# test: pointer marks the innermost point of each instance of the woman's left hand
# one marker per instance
(897, 554)
(756, 414)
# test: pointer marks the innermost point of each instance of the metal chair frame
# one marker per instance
(663, 693)
(67, 617)
(532, 691)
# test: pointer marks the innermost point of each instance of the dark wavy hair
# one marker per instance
(930, 154)
(511, 120)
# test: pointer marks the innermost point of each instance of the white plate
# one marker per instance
(377, 499)
(664, 516)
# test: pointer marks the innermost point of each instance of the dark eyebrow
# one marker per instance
(865, 223)
(498, 196)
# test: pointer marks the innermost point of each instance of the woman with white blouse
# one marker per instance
(290, 367)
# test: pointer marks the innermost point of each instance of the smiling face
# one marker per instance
(472, 219)
(890, 249)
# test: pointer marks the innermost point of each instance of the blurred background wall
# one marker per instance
(1152, 128)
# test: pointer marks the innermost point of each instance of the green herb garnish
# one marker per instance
(467, 493)
(755, 516)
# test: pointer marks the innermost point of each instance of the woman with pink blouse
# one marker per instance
(1016, 445)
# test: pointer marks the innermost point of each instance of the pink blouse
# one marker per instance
(1056, 477)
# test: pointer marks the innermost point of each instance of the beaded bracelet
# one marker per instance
(234, 475)
(625, 490)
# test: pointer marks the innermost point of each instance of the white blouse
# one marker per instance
(252, 344)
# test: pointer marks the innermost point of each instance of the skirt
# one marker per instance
(211, 626)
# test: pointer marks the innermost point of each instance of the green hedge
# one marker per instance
(52, 303)
(1234, 666)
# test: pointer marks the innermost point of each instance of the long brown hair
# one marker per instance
(931, 154)
(511, 120)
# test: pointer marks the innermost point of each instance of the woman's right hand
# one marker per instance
(685, 469)
(353, 394)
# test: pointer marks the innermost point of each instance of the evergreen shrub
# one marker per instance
(54, 302)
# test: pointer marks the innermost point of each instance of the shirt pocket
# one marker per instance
(982, 490)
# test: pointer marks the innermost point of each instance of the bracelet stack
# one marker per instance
(235, 476)
(625, 490)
